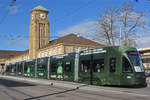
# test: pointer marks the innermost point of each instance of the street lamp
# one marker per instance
(91, 68)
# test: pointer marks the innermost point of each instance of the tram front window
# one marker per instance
(135, 61)
(126, 65)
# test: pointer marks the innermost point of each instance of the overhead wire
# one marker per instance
(7, 12)
(57, 20)
(75, 10)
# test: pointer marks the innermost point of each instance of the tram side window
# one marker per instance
(7, 68)
(67, 66)
(40, 68)
(25, 68)
(85, 66)
(19, 68)
(98, 65)
(112, 64)
(54, 67)
(126, 65)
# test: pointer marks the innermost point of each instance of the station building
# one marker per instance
(145, 56)
(39, 43)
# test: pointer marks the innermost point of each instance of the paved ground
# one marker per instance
(12, 88)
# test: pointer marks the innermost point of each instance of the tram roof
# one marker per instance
(121, 47)
(110, 48)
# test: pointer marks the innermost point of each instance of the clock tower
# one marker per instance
(39, 30)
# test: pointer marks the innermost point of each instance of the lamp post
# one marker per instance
(91, 69)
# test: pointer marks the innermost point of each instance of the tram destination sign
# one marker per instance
(93, 51)
(60, 56)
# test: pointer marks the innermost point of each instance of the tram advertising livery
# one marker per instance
(112, 65)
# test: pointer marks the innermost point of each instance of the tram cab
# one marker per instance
(132, 69)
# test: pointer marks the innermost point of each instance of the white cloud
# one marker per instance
(86, 29)
(17, 42)
(143, 42)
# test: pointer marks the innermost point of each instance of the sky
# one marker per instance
(65, 16)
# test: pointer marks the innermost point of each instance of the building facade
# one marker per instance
(145, 56)
(39, 44)
(39, 30)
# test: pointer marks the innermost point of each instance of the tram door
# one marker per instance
(114, 71)
(20, 69)
(53, 69)
(84, 69)
(127, 72)
(7, 70)
(42, 67)
(13, 69)
(85, 74)
(29, 69)
(67, 70)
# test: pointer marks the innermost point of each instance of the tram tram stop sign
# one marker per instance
(59, 70)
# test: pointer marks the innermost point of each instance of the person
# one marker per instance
(98, 67)
(85, 68)
(60, 71)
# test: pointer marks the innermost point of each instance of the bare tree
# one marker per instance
(131, 21)
(107, 25)
(125, 17)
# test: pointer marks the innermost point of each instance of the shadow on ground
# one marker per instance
(61, 92)
(12, 83)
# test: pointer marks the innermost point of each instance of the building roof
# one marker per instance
(74, 39)
(40, 8)
(4, 54)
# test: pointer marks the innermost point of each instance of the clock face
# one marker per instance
(42, 16)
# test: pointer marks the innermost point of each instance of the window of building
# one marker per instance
(112, 64)
(126, 65)
(45, 53)
(146, 60)
(76, 49)
(59, 50)
(98, 65)
(50, 52)
(42, 54)
(39, 55)
(54, 52)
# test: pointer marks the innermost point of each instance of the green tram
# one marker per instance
(112, 65)
(115, 65)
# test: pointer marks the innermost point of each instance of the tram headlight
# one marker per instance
(129, 77)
